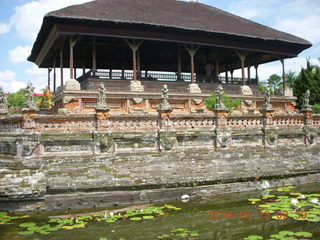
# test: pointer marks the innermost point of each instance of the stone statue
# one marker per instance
(164, 105)
(3, 102)
(267, 98)
(306, 101)
(219, 103)
(30, 104)
(102, 104)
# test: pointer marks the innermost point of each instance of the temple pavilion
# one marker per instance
(134, 47)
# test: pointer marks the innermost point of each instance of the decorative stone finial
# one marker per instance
(219, 104)
(102, 104)
(30, 104)
(3, 102)
(306, 101)
(266, 105)
(164, 105)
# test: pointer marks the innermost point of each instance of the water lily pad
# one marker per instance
(303, 234)
(148, 217)
(286, 233)
(26, 233)
(135, 218)
(254, 237)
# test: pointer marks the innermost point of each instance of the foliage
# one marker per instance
(309, 78)
(294, 205)
(56, 224)
(291, 77)
(275, 84)
(44, 100)
(283, 235)
(228, 102)
(180, 233)
(16, 101)
(316, 108)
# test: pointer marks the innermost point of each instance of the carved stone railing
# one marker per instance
(90, 122)
(289, 120)
(58, 123)
(244, 121)
(11, 124)
(316, 120)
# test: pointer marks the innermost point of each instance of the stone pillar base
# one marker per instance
(194, 88)
(307, 115)
(136, 86)
(28, 116)
(72, 85)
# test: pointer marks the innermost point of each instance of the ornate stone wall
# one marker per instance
(102, 152)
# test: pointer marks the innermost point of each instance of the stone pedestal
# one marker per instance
(28, 116)
(246, 90)
(194, 88)
(136, 86)
(220, 117)
(102, 116)
(267, 116)
(307, 114)
(72, 85)
(164, 117)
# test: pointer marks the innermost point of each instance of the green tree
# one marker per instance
(16, 101)
(291, 77)
(275, 84)
(228, 102)
(309, 78)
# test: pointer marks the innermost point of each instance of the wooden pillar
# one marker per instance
(75, 73)
(231, 72)
(134, 47)
(179, 63)
(54, 76)
(138, 64)
(257, 76)
(283, 76)
(61, 66)
(122, 63)
(146, 74)
(216, 69)
(72, 44)
(249, 73)
(110, 73)
(242, 57)
(192, 51)
(227, 77)
(94, 57)
(49, 80)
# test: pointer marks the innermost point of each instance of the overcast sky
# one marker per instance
(20, 21)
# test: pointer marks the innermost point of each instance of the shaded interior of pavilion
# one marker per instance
(121, 59)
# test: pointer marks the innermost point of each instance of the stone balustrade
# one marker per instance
(89, 122)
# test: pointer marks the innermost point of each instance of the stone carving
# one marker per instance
(136, 86)
(138, 100)
(246, 90)
(72, 148)
(306, 101)
(27, 146)
(266, 105)
(269, 137)
(105, 140)
(167, 139)
(223, 138)
(102, 104)
(3, 102)
(309, 136)
(72, 85)
(219, 104)
(198, 101)
(194, 88)
(164, 105)
(30, 104)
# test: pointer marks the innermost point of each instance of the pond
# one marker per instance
(281, 213)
